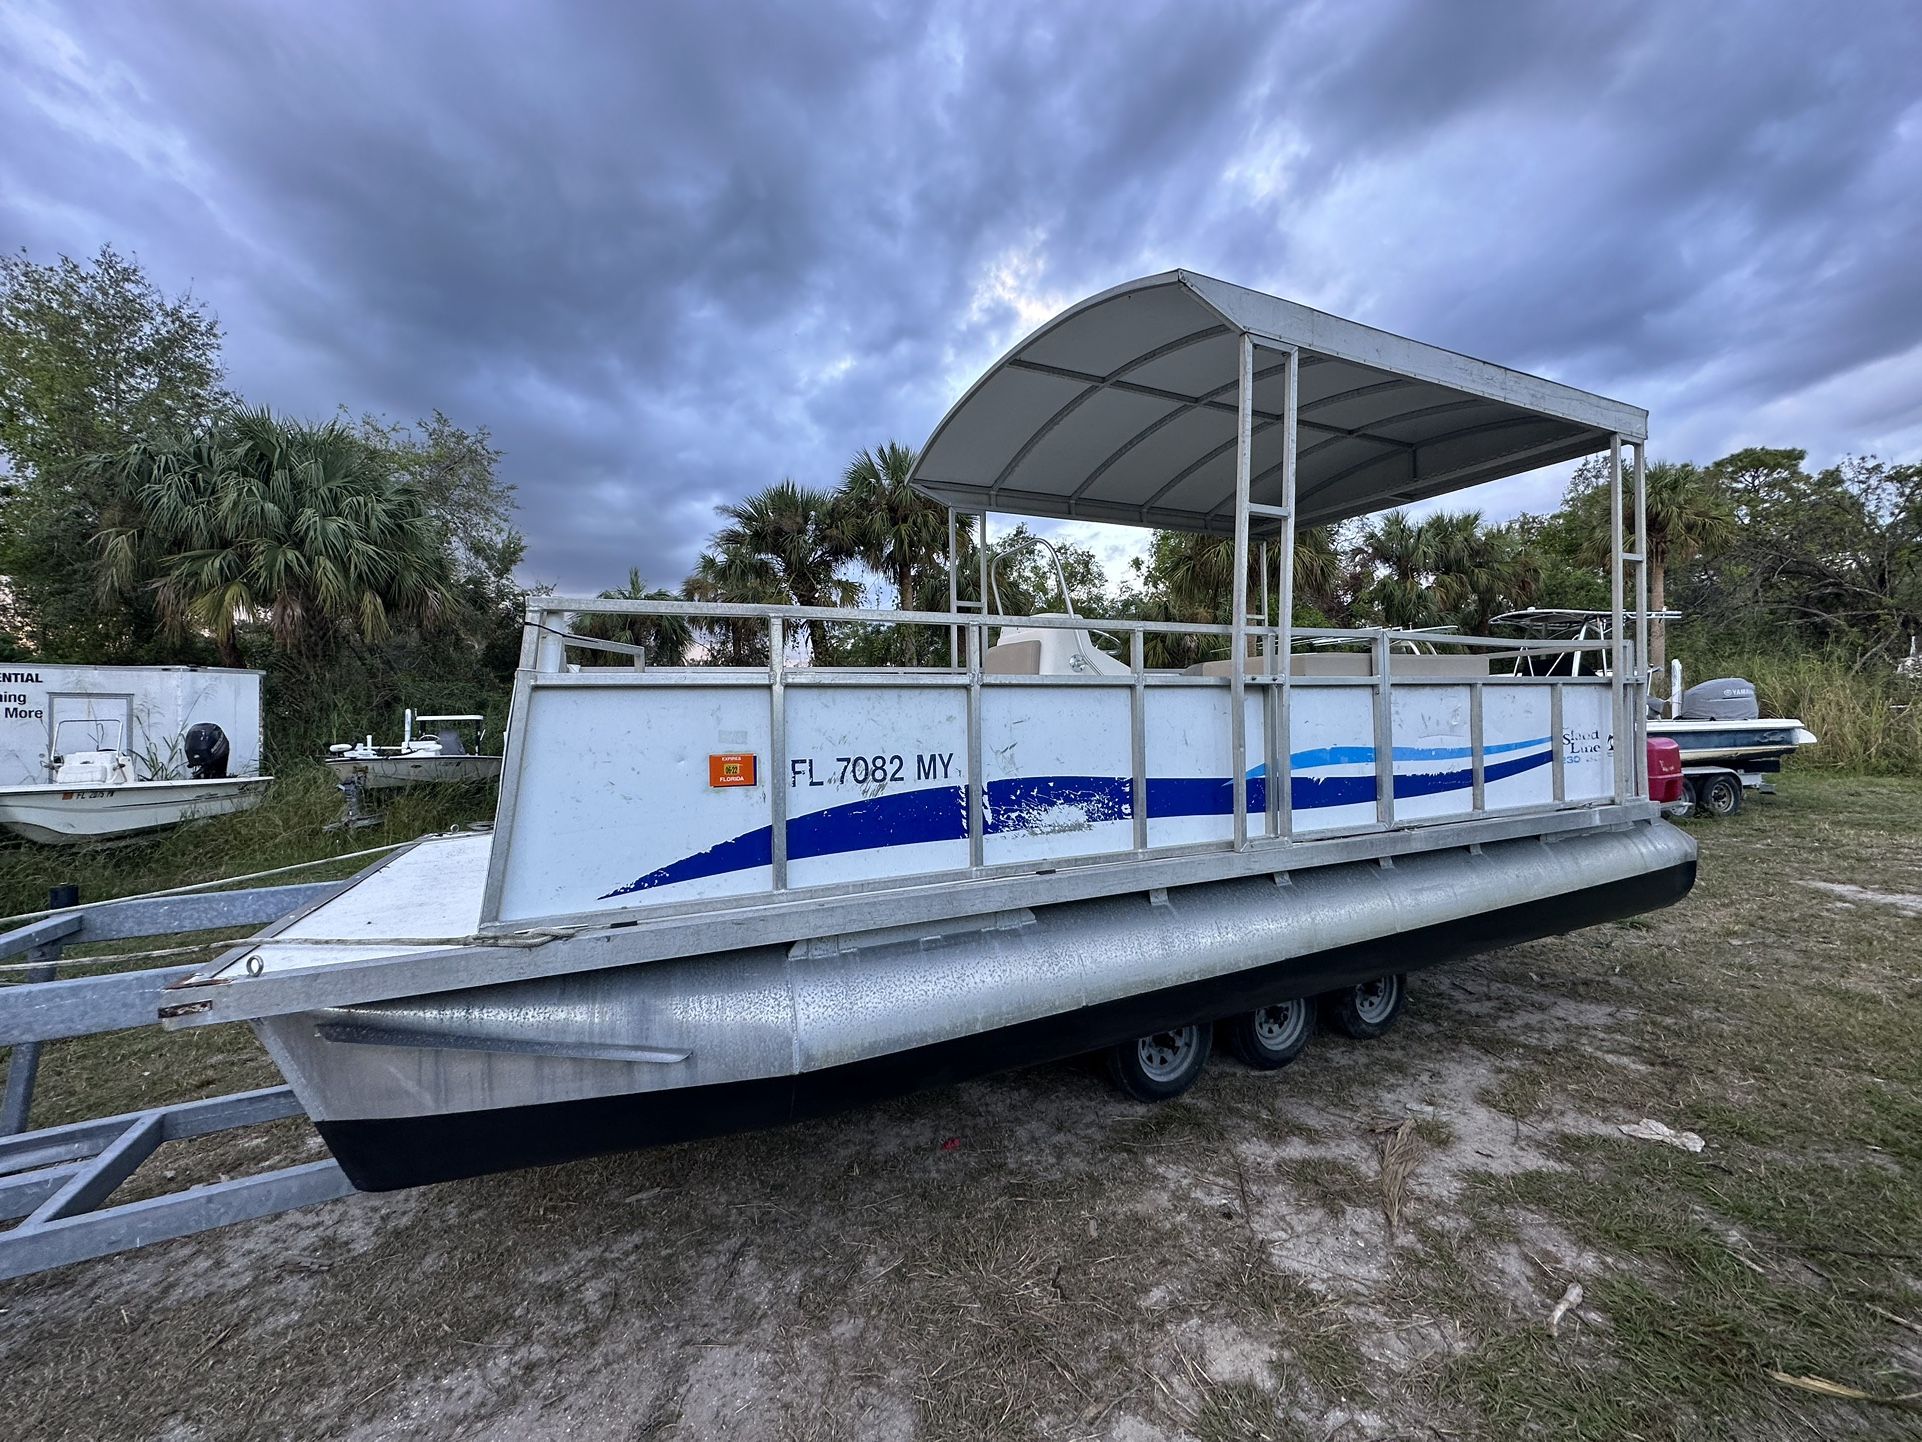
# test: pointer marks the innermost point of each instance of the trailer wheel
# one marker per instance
(1161, 1065)
(1720, 794)
(1273, 1036)
(1368, 1009)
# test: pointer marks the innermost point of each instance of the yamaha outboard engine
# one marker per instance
(207, 751)
(1729, 699)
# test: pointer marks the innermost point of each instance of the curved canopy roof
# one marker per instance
(1123, 408)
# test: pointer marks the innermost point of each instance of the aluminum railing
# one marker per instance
(550, 637)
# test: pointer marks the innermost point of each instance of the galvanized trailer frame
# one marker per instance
(58, 1182)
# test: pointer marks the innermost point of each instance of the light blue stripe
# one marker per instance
(1365, 755)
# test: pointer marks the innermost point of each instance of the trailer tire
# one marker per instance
(1274, 1035)
(1367, 1009)
(1162, 1065)
(1719, 795)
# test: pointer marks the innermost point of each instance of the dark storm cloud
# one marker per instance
(672, 253)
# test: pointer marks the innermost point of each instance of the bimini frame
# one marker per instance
(1142, 405)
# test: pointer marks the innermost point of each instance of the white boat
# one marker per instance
(66, 811)
(441, 756)
(1750, 744)
(721, 897)
(1728, 746)
(102, 753)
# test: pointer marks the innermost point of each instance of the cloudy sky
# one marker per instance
(670, 253)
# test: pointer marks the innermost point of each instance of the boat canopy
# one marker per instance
(1124, 408)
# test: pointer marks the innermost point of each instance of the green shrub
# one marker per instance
(286, 827)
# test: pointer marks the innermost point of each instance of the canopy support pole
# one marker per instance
(984, 578)
(1618, 641)
(954, 595)
(1238, 639)
(1642, 622)
(1267, 636)
(1281, 742)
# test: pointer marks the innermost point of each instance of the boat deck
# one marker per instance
(426, 898)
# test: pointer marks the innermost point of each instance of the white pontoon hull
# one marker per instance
(57, 814)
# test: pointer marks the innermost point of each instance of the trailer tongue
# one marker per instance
(719, 897)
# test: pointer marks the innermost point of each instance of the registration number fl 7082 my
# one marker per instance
(879, 769)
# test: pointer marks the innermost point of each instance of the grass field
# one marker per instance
(1030, 1255)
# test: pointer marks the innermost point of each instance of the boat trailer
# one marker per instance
(821, 883)
(57, 1184)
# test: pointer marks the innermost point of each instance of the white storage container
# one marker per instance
(48, 710)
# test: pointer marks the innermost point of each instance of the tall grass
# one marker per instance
(1867, 721)
(286, 827)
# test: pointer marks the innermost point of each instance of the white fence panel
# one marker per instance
(877, 782)
(1518, 748)
(1059, 771)
(1434, 754)
(1333, 756)
(1190, 796)
(1588, 744)
(615, 807)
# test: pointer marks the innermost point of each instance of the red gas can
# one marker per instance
(1664, 770)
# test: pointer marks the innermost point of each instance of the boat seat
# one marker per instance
(1424, 667)
(450, 743)
(1324, 663)
(1014, 658)
(1332, 663)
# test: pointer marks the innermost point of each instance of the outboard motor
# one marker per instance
(1728, 699)
(207, 751)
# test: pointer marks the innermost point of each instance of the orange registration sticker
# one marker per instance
(731, 768)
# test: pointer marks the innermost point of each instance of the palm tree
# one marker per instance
(1479, 571)
(892, 528)
(1194, 570)
(1445, 569)
(1689, 515)
(666, 638)
(729, 642)
(782, 545)
(255, 516)
(1400, 556)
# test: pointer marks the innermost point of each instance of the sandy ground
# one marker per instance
(1031, 1255)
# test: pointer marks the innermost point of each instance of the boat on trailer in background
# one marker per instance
(440, 756)
(1728, 747)
(813, 885)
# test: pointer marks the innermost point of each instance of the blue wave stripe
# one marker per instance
(940, 813)
(1365, 755)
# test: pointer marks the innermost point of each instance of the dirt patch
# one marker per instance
(1909, 903)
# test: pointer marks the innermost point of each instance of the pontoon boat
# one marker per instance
(720, 897)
